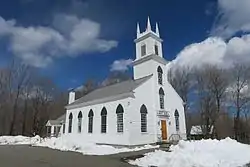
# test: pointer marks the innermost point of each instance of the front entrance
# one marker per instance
(164, 129)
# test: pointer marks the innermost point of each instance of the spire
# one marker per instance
(138, 30)
(148, 25)
(157, 29)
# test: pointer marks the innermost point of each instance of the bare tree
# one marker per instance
(180, 79)
(239, 93)
(211, 84)
(42, 96)
(217, 84)
(17, 79)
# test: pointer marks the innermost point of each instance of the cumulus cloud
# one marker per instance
(222, 48)
(69, 36)
(215, 51)
(121, 65)
(233, 17)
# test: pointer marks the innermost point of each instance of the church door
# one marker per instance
(163, 129)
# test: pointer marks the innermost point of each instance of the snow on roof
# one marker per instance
(197, 130)
(57, 121)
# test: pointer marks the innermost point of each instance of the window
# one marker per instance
(91, 115)
(63, 128)
(143, 50)
(104, 120)
(119, 116)
(55, 128)
(160, 73)
(177, 122)
(156, 50)
(144, 113)
(80, 122)
(70, 122)
(161, 94)
(48, 130)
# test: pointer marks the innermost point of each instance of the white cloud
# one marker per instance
(215, 51)
(121, 65)
(70, 36)
(233, 17)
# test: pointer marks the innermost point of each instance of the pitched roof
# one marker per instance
(61, 118)
(110, 91)
(57, 121)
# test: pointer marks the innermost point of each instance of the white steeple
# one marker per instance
(157, 29)
(148, 25)
(148, 49)
(138, 30)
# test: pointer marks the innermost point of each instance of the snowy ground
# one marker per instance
(68, 144)
(204, 153)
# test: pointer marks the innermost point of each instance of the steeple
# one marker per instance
(157, 29)
(149, 25)
(138, 30)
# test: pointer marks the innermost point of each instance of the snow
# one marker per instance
(18, 140)
(203, 153)
(65, 143)
(197, 130)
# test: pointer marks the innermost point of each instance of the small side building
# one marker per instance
(56, 127)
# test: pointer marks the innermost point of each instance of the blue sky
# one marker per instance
(75, 40)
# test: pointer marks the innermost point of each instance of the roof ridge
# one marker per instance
(111, 90)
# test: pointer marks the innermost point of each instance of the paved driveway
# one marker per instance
(27, 156)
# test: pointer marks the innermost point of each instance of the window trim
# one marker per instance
(156, 49)
(177, 120)
(70, 123)
(79, 123)
(119, 119)
(143, 50)
(160, 75)
(162, 98)
(104, 120)
(144, 119)
(90, 121)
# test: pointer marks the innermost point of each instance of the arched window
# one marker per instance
(119, 116)
(103, 120)
(70, 122)
(80, 122)
(144, 113)
(177, 122)
(161, 95)
(160, 73)
(90, 115)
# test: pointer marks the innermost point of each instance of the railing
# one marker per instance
(175, 138)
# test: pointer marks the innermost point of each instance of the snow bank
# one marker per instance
(203, 153)
(65, 143)
(17, 140)
(68, 144)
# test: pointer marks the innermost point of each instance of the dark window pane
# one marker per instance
(120, 122)
(90, 129)
(143, 50)
(156, 50)
(143, 122)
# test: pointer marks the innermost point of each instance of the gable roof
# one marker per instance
(57, 121)
(118, 89)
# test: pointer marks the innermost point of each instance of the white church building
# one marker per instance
(144, 110)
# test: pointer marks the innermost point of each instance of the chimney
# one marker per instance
(72, 95)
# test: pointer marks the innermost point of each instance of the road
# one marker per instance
(27, 156)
